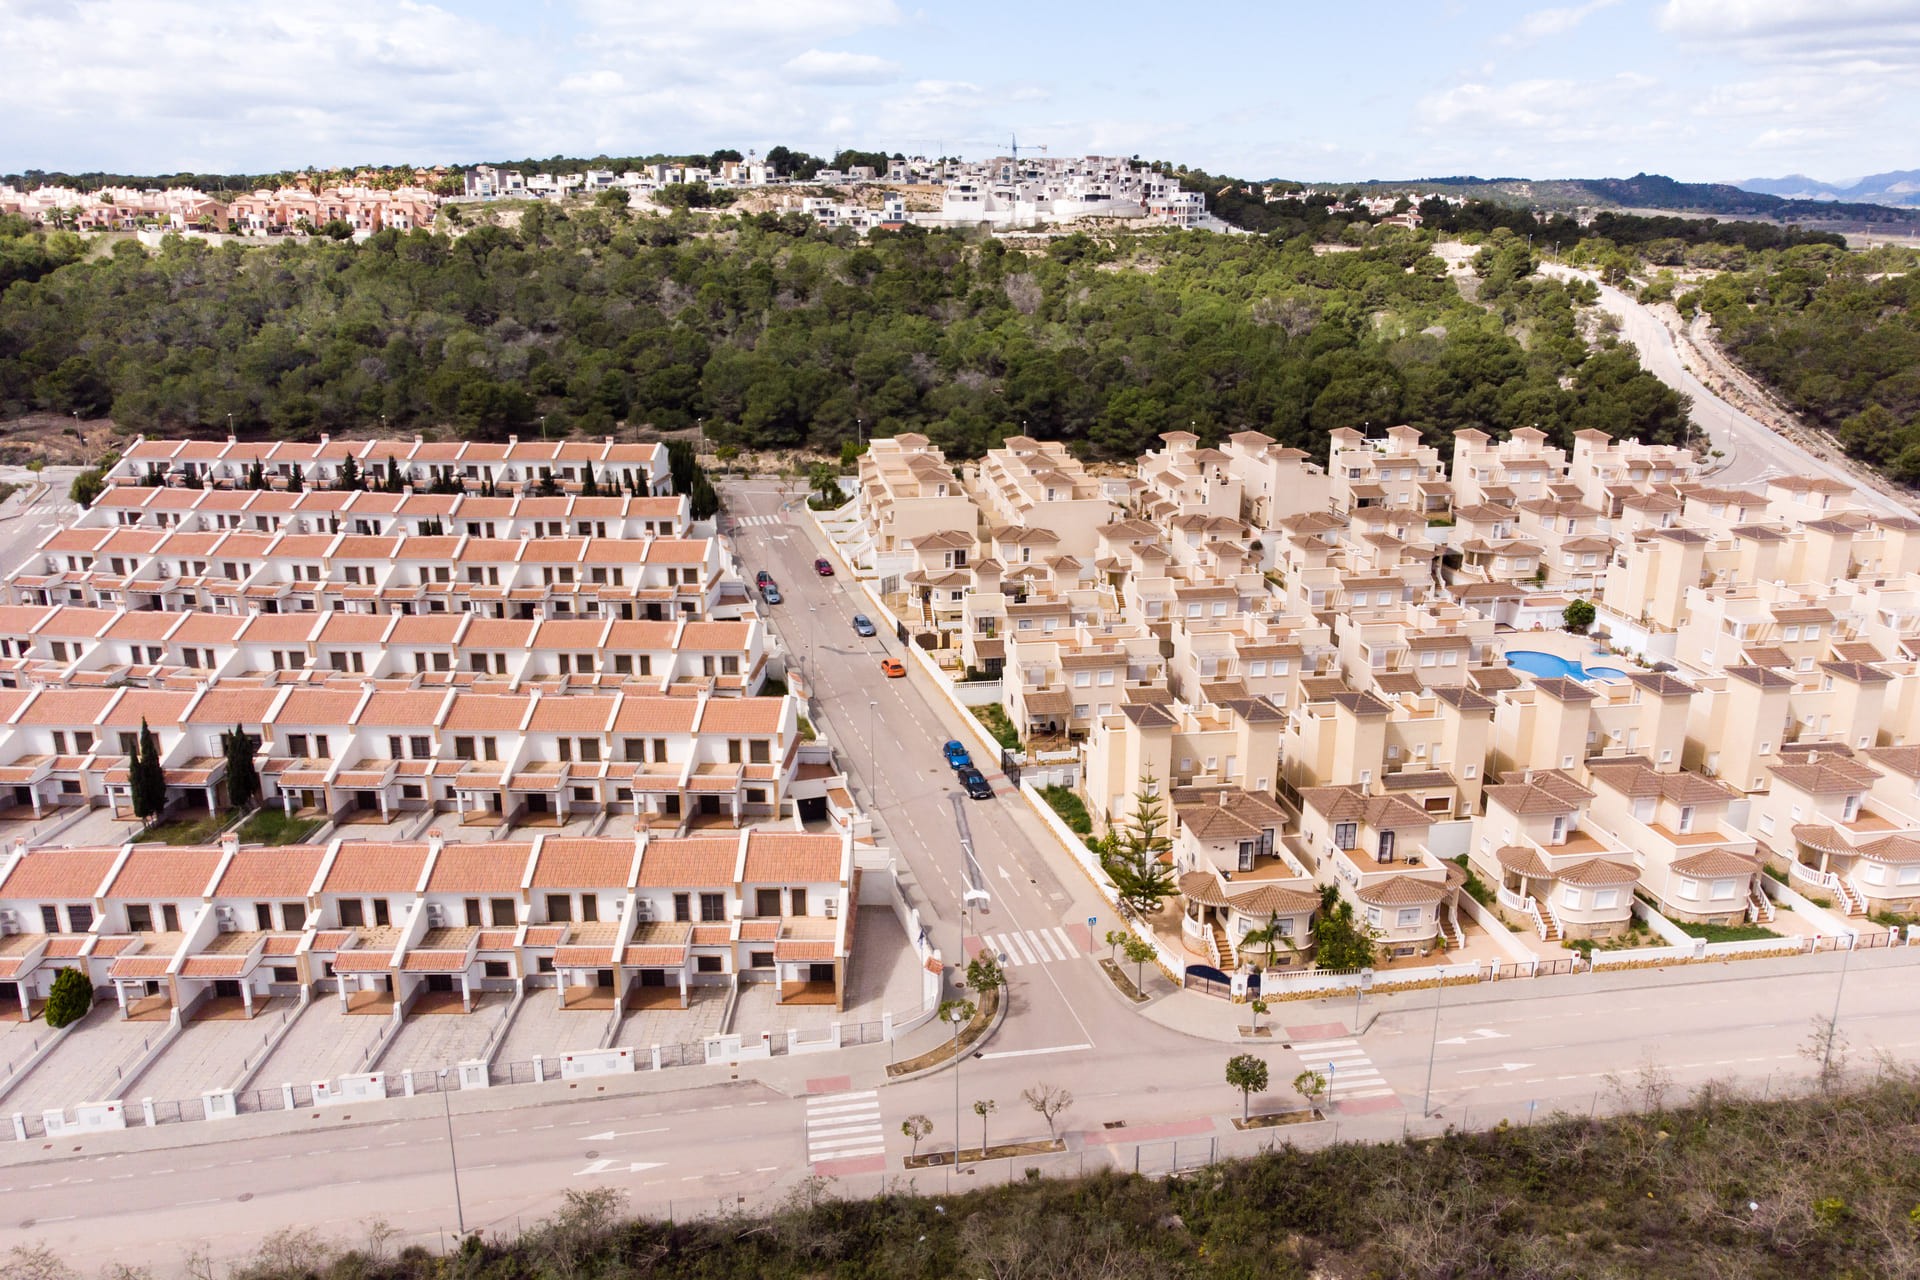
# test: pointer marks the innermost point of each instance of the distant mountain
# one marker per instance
(1898, 187)
(1815, 205)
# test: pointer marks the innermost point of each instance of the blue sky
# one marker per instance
(1699, 89)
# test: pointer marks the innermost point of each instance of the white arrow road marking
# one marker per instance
(1505, 1066)
(624, 1133)
(613, 1166)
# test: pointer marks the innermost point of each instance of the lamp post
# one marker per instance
(1833, 1023)
(957, 1015)
(453, 1156)
(873, 749)
(1433, 1048)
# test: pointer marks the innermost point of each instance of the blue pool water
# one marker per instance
(1541, 665)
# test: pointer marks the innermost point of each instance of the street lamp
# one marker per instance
(958, 1015)
(453, 1157)
(1433, 1048)
(1833, 1023)
(873, 749)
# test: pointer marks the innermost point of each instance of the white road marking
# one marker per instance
(1032, 1053)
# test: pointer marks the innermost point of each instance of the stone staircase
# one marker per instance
(1548, 923)
(1223, 958)
(1450, 930)
(1759, 907)
(1849, 897)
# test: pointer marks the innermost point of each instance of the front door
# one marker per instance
(603, 978)
(365, 801)
(226, 989)
(440, 982)
(536, 804)
(653, 977)
(23, 796)
(819, 973)
(710, 804)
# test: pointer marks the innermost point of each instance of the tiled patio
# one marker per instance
(442, 1036)
(543, 1028)
(643, 1028)
(86, 1065)
(211, 1050)
(323, 1044)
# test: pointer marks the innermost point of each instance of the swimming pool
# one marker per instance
(1541, 665)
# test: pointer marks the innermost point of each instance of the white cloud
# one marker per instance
(1551, 110)
(1544, 23)
(1873, 33)
(822, 66)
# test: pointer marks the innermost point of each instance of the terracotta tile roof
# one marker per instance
(1401, 891)
(154, 871)
(357, 961)
(545, 935)
(1599, 872)
(572, 713)
(322, 708)
(139, 965)
(803, 950)
(402, 710)
(205, 966)
(583, 957)
(1716, 862)
(486, 712)
(791, 857)
(656, 715)
(332, 939)
(229, 706)
(283, 872)
(578, 863)
(656, 955)
(479, 868)
(59, 874)
(434, 962)
(691, 862)
(495, 940)
(64, 707)
(375, 866)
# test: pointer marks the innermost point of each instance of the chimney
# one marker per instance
(436, 840)
(230, 842)
(1222, 801)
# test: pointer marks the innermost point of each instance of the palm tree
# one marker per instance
(1268, 938)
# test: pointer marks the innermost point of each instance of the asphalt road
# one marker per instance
(24, 523)
(1754, 452)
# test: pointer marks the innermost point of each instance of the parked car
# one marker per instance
(763, 579)
(823, 567)
(956, 753)
(862, 625)
(771, 594)
(976, 784)
(892, 668)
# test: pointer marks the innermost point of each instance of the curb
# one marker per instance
(993, 1026)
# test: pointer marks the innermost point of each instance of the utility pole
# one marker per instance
(1433, 1048)
(453, 1157)
(873, 748)
(1833, 1023)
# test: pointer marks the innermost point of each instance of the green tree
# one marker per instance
(145, 778)
(243, 776)
(1247, 1073)
(1340, 941)
(1135, 859)
(1138, 950)
(984, 974)
(349, 474)
(1114, 938)
(1258, 1007)
(1310, 1085)
(983, 1107)
(916, 1127)
(1269, 937)
(87, 486)
(70, 998)
(1577, 616)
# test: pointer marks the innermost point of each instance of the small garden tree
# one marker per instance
(1114, 938)
(983, 1107)
(1138, 950)
(145, 778)
(1258, 1007)
(243, 776)
(1248, 1074)
(984, 974)
(1339, 940)
(1577, 616)
(1310, 1085)
(1049, 1100)
(70, 998)
(915, 1128)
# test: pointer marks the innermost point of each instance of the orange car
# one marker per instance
(892, 668)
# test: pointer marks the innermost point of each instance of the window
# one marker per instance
(589, 907)
(503, 913)
(263, 916)
(1373, 916)
(139, 918)
(559, 907)
(759, 751)
(766, 902)
(420, 745)
(709, 964)
(49, 918)
(1689, 888)
(1724, 889)
(1345, 834)
(462, 748)
(471, 909)
(713, 906)
(497, 969)
(1408, 918)
(1686, 819)
(799, 899)
(1606, 897)
(1570, 896)
(1850, 808)
(760, 959)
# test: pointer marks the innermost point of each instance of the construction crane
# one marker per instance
(1013, 142)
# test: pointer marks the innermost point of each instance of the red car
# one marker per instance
(823, 568)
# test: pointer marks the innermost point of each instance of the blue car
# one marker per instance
(862, 625)
(957, 756)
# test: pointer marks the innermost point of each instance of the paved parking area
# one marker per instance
(885, 978)
(210, 1054)
(324, 1044)
(644, 1028)
(543, 1028)
(86, 1065)
(428, 1041)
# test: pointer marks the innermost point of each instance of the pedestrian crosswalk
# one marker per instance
(841, 1126)
(1031, 946)
(758, 522)
(1349, 1073)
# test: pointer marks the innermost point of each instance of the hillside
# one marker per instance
(1719, 1187)
(777, 334)
(1652, 191)
(1898, 187)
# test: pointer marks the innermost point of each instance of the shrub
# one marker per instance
(1071, 808)
(70, 999)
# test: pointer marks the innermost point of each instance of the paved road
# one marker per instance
(1754, 452)
(26, 520)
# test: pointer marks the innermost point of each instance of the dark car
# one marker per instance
(976, 784)
(862, 625)
(823, 568)
(770, 593)
(763, 579)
